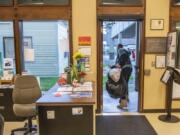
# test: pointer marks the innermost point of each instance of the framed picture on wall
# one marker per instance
(160, 61)
(157, 24)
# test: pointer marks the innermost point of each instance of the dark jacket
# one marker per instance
(123, 57)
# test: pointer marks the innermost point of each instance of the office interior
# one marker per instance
(39, 41)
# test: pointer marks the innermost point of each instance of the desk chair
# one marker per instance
(1, 124)
(25, 94)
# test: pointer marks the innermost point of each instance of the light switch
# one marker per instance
(50, 114)
(77, 111)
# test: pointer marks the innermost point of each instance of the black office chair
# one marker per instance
(1, 124)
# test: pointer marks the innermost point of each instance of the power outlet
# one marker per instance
(77, 111)
(50, 114)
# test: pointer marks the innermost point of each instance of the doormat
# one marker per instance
(123, 125)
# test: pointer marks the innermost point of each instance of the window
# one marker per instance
(7, 55)
(46, 50)
(46, 2)
(122, 2)
(6, 2)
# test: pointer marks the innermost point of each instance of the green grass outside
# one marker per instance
(105, 78)
(47, 82)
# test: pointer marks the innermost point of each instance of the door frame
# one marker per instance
(100, 19)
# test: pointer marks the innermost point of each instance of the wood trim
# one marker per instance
(141, 69)
(18, 13)
(71, 41)
(99, 3)
(35, 12)
(120, 11)
(45, 13)
(42, 5)
(178, 99)
(7, 13)
(99, 65)
(111, 12)
(17, 43)
(158, 110)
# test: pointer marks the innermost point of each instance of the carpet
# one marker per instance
(123, 125)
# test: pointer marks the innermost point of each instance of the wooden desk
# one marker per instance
(66, 119)
(10, 82)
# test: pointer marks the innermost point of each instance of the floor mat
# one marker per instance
(123, 125)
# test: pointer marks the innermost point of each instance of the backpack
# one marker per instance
(116, 89)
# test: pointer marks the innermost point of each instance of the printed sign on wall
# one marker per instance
(84, 41)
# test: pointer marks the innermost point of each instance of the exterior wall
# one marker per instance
(6, 30)
(45, 43)
(48, 42)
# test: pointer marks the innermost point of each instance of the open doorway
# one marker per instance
(126, 33)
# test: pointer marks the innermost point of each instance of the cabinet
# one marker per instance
(67, 114)
(6, 103)
(64, 123)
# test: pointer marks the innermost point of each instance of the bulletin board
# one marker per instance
(156, 45)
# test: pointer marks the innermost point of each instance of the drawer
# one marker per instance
(2, 98)
(2, 110)
(7, 113)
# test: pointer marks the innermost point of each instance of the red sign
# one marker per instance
(85, 40)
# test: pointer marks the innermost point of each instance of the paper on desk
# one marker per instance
(88, 84)
(81, 95)
(65, 89)
(83, 88)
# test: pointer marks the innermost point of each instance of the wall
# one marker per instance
(6, 30)
(44, 43)
(84, 24)
(154, 90)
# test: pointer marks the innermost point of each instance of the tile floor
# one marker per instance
(110, 104)
(160, 127)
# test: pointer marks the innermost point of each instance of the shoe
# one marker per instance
(123, 103)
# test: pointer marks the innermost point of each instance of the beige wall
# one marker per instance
(84, 24)
(154, 90)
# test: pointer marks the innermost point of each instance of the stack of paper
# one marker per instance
(65, 89)
(83, 88)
